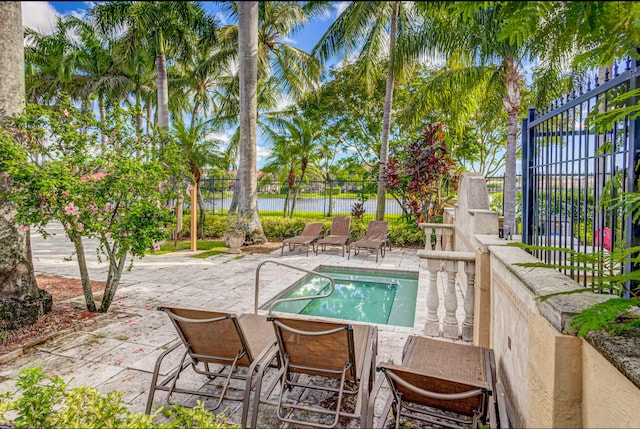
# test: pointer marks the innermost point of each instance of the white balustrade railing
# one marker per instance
(449, 262)
(438, 236)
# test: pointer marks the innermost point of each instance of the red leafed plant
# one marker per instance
(421, 175)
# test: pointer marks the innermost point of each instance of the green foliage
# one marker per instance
(119, 193)
(45, 401)
(419, 175)
(604, 267)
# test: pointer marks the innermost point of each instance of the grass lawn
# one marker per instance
(212, 247)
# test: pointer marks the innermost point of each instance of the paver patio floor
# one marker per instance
(118, 353)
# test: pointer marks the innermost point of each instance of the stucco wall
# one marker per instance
(609, 399)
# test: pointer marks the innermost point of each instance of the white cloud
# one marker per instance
(39, 15)
(262, 154)
(340, 7)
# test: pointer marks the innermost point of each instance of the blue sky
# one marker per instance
(42, 15)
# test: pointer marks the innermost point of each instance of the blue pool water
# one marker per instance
(384, 297)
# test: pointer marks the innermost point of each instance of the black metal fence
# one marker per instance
(326, 198)
(574, 170)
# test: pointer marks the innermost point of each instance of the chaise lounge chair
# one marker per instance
(309, 236)
(441, 383)
(339, 234)
(326, 351)
(375, 239)
(218, 338)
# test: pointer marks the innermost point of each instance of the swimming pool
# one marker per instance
(375, 296)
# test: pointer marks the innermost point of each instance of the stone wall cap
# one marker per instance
(622, 350)
(559, 309)
(447, 255)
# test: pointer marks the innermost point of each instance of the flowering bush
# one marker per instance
(420, 173)
(115, 192)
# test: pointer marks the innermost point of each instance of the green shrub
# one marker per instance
(277, 228)
(46, 402)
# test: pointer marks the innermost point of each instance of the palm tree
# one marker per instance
(18, 286)
(174, 29)
(363, 26)
(282, 162)
(200, 151)
(248, 59)
(476, 35)
(49, 65)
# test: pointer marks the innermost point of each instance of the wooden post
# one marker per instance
(194, 218)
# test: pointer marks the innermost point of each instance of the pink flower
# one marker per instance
(80, 227)
(160, 187)
(156, 247)
(65, 194)
(97, 176)
(171, 208)
(23, 228)
(189, 188)
(66, 112)
(71, 210)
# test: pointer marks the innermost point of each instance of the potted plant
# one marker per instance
(235, 234)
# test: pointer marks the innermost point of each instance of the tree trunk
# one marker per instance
(113, 280)
(163, 93)
(248, 57)
(84, 272)
(103, 118)
(386, 118)
(512, 103)
(19, 292)
(201, 213)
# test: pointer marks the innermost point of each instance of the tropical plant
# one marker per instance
(199, 151)
(168, 29)
(363, 26)
(47, 401)
(61, 173)
(419, 175)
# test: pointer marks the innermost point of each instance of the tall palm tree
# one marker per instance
(49, 63)
(475, 33)
(18, 285)
(248, 61)
(365, 26)
(200, 151)
(173, 29)
(282, 163)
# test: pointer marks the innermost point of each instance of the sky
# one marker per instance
(42, 15)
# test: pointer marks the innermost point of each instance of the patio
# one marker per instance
(118, 352)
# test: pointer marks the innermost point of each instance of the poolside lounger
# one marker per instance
(309, 236)
(211, 337)
(441, 383)
(338, 235)
(314, 355)
(375, 239)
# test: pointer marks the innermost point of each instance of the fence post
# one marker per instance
(633, 229)
(528, 151)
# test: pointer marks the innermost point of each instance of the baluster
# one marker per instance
(467, 325)
(596, 80)
(628, 64)
(573, 93)
(615, 69)
(450, 326)
(606, 74)
(432, 325)
(448, 239)
(428, 234)
(438, 238)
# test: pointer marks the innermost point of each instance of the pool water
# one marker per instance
(384, 297)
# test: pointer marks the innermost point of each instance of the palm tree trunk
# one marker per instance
(16, 268)
(163, 93)
(386, 118)
(248, 57)
(512, 103)
(103, 118)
